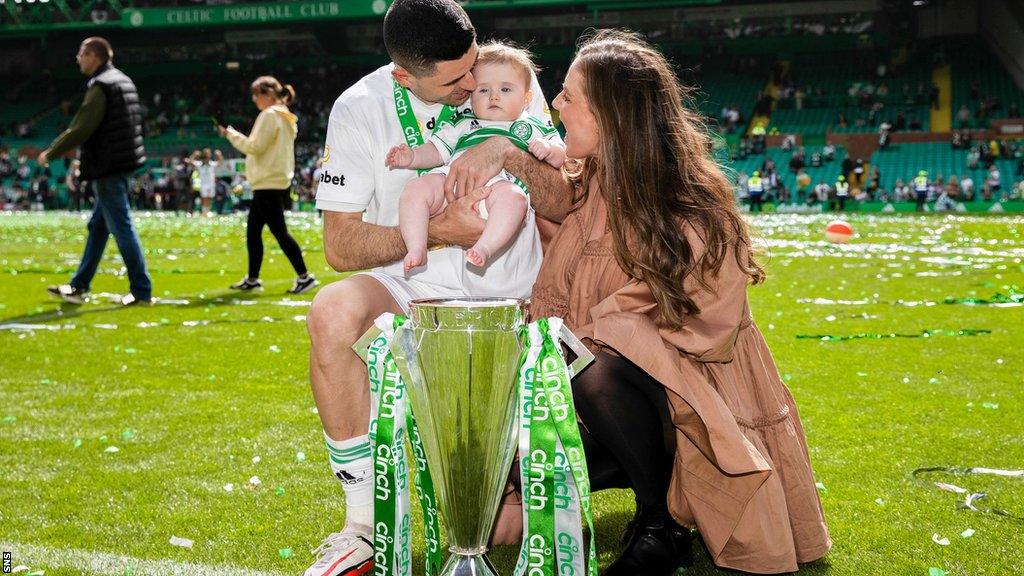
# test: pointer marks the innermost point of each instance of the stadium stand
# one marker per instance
(835, 76)
(981, 84)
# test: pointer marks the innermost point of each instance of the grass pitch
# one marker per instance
(209, 388)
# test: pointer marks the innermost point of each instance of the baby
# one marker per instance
(502, 74)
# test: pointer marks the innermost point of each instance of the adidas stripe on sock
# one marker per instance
(353, 467)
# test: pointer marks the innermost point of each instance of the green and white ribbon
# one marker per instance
(553, 468)
(391, 422)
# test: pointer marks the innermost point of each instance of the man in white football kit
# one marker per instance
(433, 46)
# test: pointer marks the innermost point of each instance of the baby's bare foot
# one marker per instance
(478, 256)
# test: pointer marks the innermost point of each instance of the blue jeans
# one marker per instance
(111, 216)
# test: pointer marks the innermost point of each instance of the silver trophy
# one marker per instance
(460, 361)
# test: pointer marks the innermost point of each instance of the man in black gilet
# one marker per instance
(108, 127)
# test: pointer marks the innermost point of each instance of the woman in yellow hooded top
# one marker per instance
(269, 167)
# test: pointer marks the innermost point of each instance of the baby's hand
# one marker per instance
(540, 149)
(400, 156)
(545, 151)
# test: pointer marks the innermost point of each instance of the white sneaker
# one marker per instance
(342, 554)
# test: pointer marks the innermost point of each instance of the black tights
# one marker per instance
(268, 209)
(625, 429)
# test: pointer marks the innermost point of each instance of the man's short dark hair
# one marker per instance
(420, 33)
(100, 47)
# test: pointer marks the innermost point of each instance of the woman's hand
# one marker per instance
(223, 131)
(400, 156)
(475, 167)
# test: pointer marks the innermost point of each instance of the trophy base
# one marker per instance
(474, 565)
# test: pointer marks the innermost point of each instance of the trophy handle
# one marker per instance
(583, 354)
(361, 345)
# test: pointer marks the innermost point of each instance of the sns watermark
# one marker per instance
(7, 563)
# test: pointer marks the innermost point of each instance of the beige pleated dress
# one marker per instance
(742, 476)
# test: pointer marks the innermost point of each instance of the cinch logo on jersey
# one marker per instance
(328, 178)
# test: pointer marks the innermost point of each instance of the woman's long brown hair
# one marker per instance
(655, 172)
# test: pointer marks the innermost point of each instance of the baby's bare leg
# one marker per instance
(506, 208)
(422, 198)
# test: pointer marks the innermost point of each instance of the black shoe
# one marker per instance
(69, 293)
(303, 284)
(247, 284)
(656, 546)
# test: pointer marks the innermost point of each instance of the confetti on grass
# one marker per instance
(933, 571)
(285, 553)
(967, 533)
(941, 541)
(181, 542)
(877, 336)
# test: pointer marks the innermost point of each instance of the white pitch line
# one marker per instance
(38, 557)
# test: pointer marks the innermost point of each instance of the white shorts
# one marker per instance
(404, 290)
(205, 192)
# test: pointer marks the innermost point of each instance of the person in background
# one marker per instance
(73, 181)
(842, 188)
(803, 186)
(967, 187)
(206, 166)
(755, 191)
(269, 167)
(108, 128)
(993, 180)
(921, 187)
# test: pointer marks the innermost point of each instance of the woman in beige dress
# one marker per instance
(651, 268)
